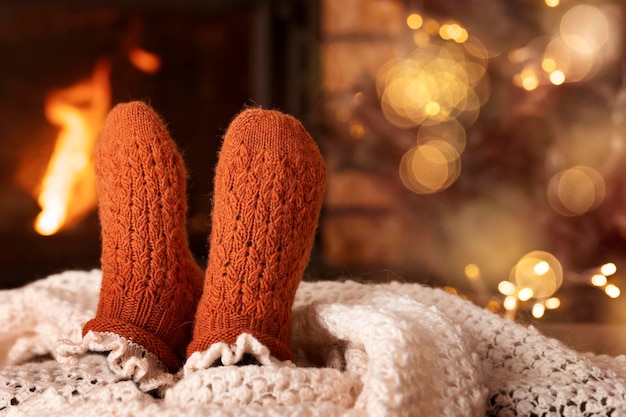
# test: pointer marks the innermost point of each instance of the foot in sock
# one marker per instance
(151, 283)
(269, 186)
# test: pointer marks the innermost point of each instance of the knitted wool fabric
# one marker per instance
(151, 282)
(269, 186)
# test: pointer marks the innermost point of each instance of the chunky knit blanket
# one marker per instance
(392, 349)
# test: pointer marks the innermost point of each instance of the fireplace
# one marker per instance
(65, 64)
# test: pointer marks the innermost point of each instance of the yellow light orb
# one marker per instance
(548, 65)
(612, 291)
(414, 21)
(598, 280)
(584, 28)
(506, 288)
(552, 3)
(529, 80)
(472, 271)
(576, 191)
(538, 310)
(525, 294)
(557, 77)
(542, 285)
(553, 303)
(608, 269)
(510, 302)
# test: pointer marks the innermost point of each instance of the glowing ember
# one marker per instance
(68, 187)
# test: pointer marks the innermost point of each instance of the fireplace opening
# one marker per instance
(64, 66)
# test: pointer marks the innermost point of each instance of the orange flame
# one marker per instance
(144, 60)
(68, 188)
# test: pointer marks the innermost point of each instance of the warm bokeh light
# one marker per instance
(584, 28)
(598, 280)
(548, 65)
(552, 3)
(529, 80)
(543, 285)
(525, 294)
(557, 77)
(506, 288)
(431, 26)
(612, 291)
(357, 130)
(414, 21)
(450, 131)
(608, 269)
(421, 39)
(430, 167)
(510, 302)
(541, 268)
(472, 271)
(576, 191)
(552, 303)
(68, 188)
(435, 84)
(453, 31)
(538, 310)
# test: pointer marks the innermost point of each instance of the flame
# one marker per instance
(144, 60)
(68, 188)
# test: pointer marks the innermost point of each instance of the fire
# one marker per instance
(68, 188)
(144, 60)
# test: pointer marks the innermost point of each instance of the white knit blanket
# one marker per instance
(393, 349)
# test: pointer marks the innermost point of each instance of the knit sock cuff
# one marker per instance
(231, 335)
(149, 341)
(125, 359)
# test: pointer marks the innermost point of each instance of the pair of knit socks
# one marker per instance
(269, 185)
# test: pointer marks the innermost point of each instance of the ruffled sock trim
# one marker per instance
(227, 354)
(124, 358)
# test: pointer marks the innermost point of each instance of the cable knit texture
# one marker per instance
(394, 349)
(269, 185)
(151, 282)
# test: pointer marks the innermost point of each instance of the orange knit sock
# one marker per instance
(269, 185)
(150, 283)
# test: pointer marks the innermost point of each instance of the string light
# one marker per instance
(538, 310)
(608, 269)
(552, 303)
(525, 294)
(510, 303)
(612, 291)
(557, 77)
(506, 288)
(598, 280)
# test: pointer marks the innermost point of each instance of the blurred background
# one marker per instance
(474, 145)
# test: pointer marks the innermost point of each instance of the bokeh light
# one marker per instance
(510, 302)
(612, 291)
(506, 287)
(430, 167)
(538, 310)
(576, 191)
(436, 83)
(552, 303)
(525, 294)
(450, 131)
(543, 284)
(584, 28)
(414, 21)
(608, 269)
(598, 280)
